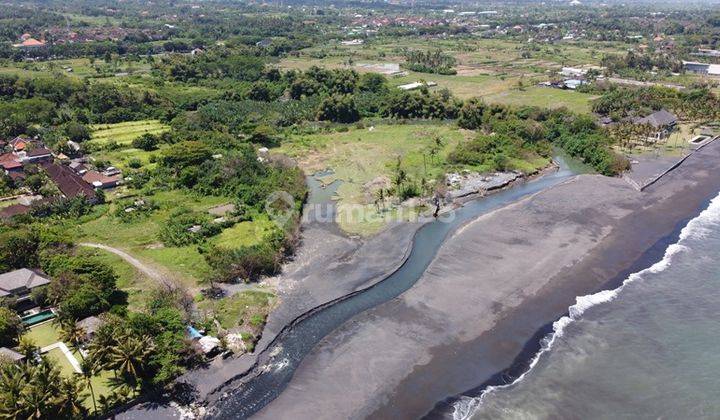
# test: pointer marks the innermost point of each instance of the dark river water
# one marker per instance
(289, 349)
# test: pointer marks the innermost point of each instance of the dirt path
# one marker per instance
(150, 272)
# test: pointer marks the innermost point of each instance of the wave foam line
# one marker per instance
(697, 228)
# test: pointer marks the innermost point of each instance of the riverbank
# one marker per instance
(491, 288)
(329, 267)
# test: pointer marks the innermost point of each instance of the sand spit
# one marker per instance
(490, 288)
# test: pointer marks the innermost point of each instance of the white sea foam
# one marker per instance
(697, 228)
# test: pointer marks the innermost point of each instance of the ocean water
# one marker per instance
(647, 350)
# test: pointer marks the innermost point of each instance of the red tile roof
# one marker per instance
(68, 182)
(13, 210)
(91, 177)
(9, 161)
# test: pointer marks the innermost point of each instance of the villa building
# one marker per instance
(19, 283)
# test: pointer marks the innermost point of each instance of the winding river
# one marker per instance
(279, 361)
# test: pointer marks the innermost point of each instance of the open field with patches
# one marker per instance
(77, 67)
(359, 157)
(489, 68)
(544, 97)
(140, 238)
(125, 132)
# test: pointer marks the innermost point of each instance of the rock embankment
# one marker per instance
(463, 185)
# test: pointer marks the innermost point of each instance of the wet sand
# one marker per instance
(491, 287)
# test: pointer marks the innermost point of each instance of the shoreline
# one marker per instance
(446, 354)
(216, 381)
(380, 281)
(534, 347)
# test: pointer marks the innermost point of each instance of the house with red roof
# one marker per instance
(30, 43)
(70, 184)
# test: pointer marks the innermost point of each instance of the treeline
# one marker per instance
(434, 61)
(515, 133)
(638, 65)
(53, 101)
(693, 104)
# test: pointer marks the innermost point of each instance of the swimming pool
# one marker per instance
(37, 318)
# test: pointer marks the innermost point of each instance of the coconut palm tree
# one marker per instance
(73, 334)
(70, 399)
(27, 348)
(130, 357)
(89, 369)
(101, 345)
(106, 402)
(12, 383)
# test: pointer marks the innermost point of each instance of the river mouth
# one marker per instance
(279, 361)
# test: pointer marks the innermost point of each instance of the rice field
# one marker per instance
(125, 132)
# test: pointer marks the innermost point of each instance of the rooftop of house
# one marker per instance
(14, 210)
(40, 151)
(658, 119)
(97, 179)
(18, 279)
(9, 161)
(68, 182)
(90, 324)
(30, 42)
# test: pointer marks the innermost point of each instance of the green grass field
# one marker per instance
(360, 156)
(140, 237)
(43, 335)
(545, 98)
(125, 132)
(56, 355)
(244, 233)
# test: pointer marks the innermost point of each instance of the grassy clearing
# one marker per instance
(140, 237)
(360, 156)
(463, 87)
(244, 234)
(545, 98)
(43, 335)
(8, 203)
(121, 158)
(124, 133)
(63, 363)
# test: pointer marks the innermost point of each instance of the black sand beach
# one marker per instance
(489, 290)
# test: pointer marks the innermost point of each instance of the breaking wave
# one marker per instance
(697, 228)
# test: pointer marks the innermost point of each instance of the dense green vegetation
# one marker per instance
(185, 97)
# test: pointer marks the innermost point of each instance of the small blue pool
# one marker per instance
(39, 317)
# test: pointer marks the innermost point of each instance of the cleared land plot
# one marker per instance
(545, 98)
(244, 233)
(360, 156)
(124, 133)
(140, 237)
